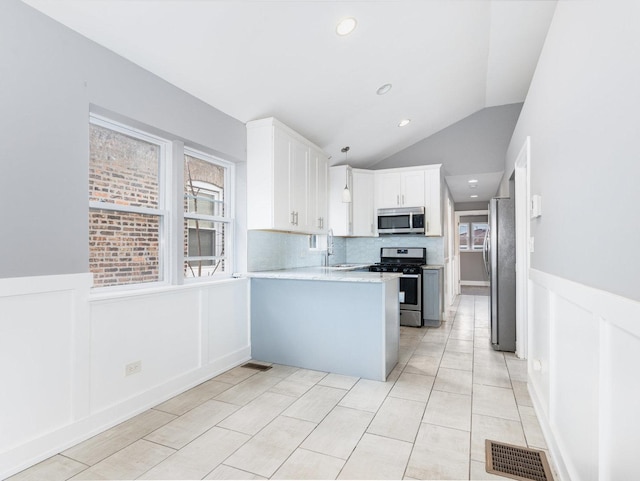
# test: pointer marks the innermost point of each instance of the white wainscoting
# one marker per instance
(63, 353)
(584, 355)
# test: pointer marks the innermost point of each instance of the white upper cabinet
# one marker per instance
(318, 210)
(355, 218)
(364, 219)
(340, 213)
(399, 188)
(412, 187)
(286, 179)
(433, 201)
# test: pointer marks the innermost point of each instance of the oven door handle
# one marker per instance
(413, 276)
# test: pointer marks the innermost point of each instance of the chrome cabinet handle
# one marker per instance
(402, 199)
(398, 199)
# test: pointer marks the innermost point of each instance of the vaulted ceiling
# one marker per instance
(252, 59)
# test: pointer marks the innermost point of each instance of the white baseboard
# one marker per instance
(475, 283)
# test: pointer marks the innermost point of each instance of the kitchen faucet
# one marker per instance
(329, 251)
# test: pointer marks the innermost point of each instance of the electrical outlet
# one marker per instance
(133, 368)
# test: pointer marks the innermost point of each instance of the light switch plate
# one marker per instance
(536, 206)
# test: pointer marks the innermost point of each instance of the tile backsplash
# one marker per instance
(268, 250)
(367, 249)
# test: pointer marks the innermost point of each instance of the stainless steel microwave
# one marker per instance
(401, 220)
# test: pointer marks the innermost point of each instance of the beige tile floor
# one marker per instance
(449, 392)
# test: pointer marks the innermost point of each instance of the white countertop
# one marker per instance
(325, 274)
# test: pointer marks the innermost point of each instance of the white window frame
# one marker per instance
(472, 246)
(170, 209)
(465, 248)
(163, 192)
(227, 218)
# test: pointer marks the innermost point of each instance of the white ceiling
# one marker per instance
(252, 59)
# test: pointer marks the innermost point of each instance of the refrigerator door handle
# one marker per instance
(485, 251)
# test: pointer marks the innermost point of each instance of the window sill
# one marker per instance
(97, 296)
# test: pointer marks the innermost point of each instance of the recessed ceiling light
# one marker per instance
(404, 122)
(473, 181)
(346, 26)
(473, 196)
(384, 89)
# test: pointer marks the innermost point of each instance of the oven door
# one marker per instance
(411, 292)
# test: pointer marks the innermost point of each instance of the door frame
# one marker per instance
(461, 213)
(522, 175)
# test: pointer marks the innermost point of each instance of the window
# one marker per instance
(131, 194)
(478, 233)
(463, 235)
(126, 220)
(471, 235)
(206, 225)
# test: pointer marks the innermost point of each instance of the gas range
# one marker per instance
(401, 259)
(409, 262)
(403, 268)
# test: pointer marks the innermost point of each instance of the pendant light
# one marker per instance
(346, 193)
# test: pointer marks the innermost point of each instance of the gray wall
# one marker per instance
(476, 144)
(482, 205)
(583, 115)
(51, 76)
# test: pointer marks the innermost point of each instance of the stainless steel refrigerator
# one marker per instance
(499, 254)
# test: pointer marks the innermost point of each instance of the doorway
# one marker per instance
(470, 228)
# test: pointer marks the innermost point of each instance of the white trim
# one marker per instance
(608, 422)
(228, 218)
(522, 175)
(206, 217)
(619, 311)
(457, 251)
(475, 283)
(76, 314)
(95, 205)
(165, 216)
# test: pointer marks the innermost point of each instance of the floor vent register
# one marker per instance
(516, 462)
(256, 366)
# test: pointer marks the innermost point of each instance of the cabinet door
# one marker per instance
(431, 296)
(433, 203)
(388, 189)
(298, 185)
(282, 218)
(363, 210)
(340, 213)
(318, 191)
(412, 194)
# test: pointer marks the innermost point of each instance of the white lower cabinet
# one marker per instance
(286, 180)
